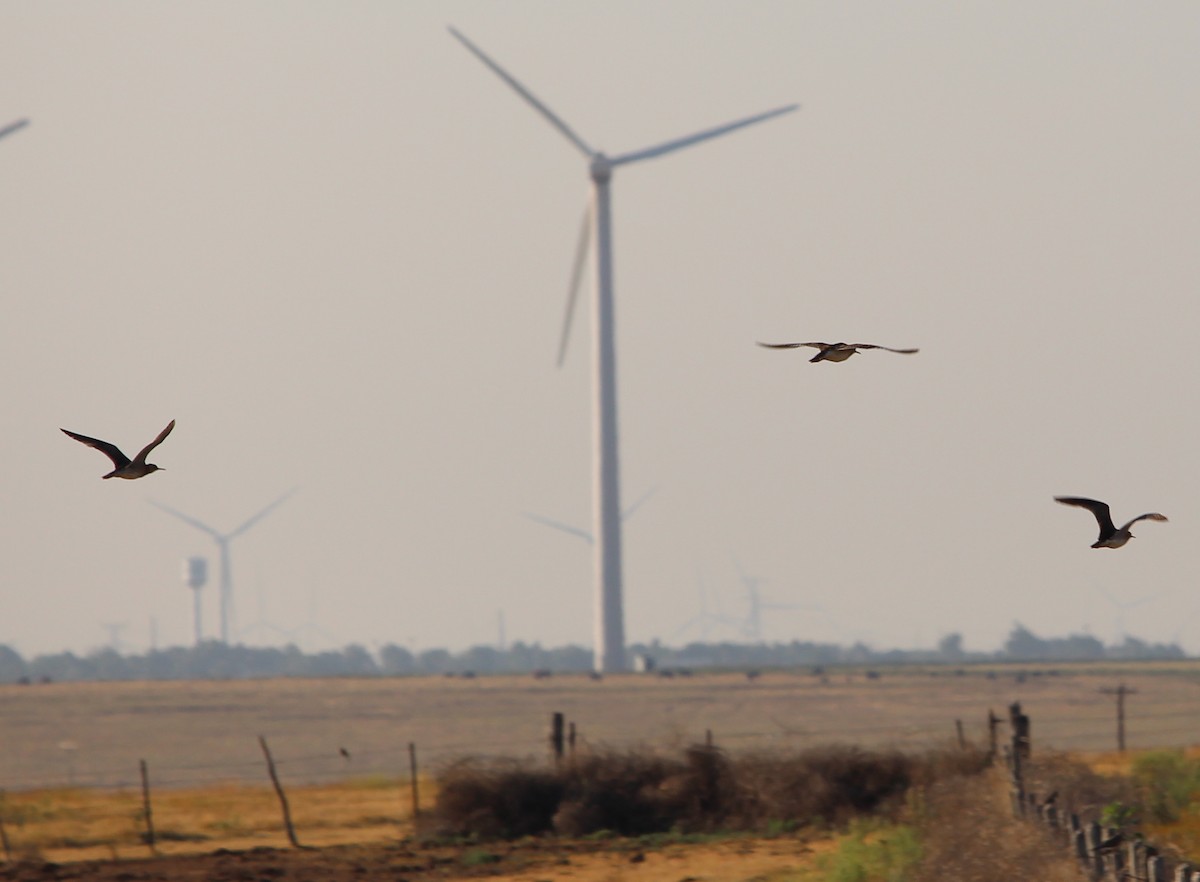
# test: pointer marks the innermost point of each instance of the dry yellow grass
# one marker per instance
(73, 825)
(76, 824)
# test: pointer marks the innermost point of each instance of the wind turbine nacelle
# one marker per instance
(195, 572)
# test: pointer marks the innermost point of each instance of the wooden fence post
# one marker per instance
(146, 813)
(962, 739)
(556, 736)
(287, 815)
(3, 831)
(708, 738)
(1155, 870)
(412, 774)
(1081, 849)
(1021, 736)
(993, 723)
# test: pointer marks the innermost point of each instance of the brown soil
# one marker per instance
(734, 860)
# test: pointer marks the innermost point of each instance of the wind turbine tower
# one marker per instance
(609, 635)
(223, 540)
(195, 575)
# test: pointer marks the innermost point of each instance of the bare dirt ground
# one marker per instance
(733, 860)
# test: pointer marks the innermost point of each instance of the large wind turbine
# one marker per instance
(223, 540)
(609, 639)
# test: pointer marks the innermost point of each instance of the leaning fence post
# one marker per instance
(287, 815)
(146, 806)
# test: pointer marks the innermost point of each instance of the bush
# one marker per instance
(1168, 783)
(497, 799)
(639, 792)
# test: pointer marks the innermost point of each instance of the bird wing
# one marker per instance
(794, 345)
(888, 348)
(141, 457)
(1097, 508)
(120, 460)
(1148, 516)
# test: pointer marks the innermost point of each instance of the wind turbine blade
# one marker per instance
(262, 514)
(559, 525)
(581, 252)
(629, 511)
(541, 108)
(689, 140)
(188, 520)
(12, 127)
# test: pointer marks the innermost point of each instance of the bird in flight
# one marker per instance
(123, 466)
(1110, 535)
(834, 351)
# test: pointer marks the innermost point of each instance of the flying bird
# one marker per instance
(834, 351)
(123, 466)
(1110, 535)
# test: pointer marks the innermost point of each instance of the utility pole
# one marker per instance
(1121, 691)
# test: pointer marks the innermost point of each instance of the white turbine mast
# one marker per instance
(609, 634)
(223, 540)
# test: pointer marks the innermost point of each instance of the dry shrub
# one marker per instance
(497, 798)
(638, 792)
(633, 793)
(829, 785)
(968, 834)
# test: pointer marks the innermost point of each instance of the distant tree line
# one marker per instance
(214, 660)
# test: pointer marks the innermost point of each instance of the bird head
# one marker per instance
(151, 467)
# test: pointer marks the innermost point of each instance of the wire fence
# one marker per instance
(1090, 729)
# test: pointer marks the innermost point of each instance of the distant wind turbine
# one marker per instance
(583, 534)
(752, 628)
(223, 540)
(1120, 607)
(609, 636)
(703, 620)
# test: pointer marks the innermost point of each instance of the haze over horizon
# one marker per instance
(335, 249)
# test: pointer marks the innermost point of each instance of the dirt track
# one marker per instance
(526, 861)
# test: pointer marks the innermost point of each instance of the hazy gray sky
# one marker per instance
(335, 248)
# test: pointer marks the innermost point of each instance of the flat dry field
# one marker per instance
(200, 734)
